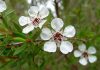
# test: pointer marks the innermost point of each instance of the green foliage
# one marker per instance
(20, 51)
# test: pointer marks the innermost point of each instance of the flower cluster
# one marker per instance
(35, 18)
(57, 37)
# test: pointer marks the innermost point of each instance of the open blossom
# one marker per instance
(85, 55)
(3, 6)
(56, 37)
(35, 18)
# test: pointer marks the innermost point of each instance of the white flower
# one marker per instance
(3, 6)
(57, 37)
(35, 19)
(85, 55)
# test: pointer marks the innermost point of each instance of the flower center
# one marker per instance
(58, 37)
(85, 54)
(36, 21)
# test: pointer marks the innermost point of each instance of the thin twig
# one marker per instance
(11, 57)
(3, 59)
(38, 41)
(82, 40)
(57, 8)
(27, 41)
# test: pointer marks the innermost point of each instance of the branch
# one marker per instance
(38, 42)
(57, 8)
(27, 41)
(3, 59)
(14, 44)
(1, 17)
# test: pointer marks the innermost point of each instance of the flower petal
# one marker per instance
(50, 46)
(77, 53)
(33, 11)
(82, 47)
(44, 12)
(28, 28)
(57, 24)
(24, 20)
(69, 31)
(41, 23)
(3, 6)
(92, 58)
(46, 34)
(91, 50)
(83, 61)
(66, 47)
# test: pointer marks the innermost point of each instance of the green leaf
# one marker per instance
(19, 50)
(5, 23)
(18, 34)
(1, 37)
(17, 27)
(19, 39)
(8, 12)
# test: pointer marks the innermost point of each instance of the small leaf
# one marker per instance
(19, 50)
(19, 39)
(17, 26)
(8, 12)
(18, 34)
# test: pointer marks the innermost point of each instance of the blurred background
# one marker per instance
(20, 52)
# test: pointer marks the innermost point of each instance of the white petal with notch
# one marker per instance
(24, 20)
(57, 24)
(82, 47)
(83, 61)
(69, 31)
(77, 53)
(50, 46)
(91, 50)
(28, 28)
(33, 11)
(92, 58)
(41, 23)
(66, 47)
(46, 34)
(44, 12)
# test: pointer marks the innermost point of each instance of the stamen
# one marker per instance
(36, 21)
(85, 54)
(58, 37)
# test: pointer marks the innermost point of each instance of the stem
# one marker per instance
(20, 43)
(39, 41)
(32, 2)
(1, 16)
(14, 44)
(4, 58)
(83, 40)
(57, 8)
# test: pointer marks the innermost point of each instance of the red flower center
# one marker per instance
(58, 37)
(85, 54)
(36, 21)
